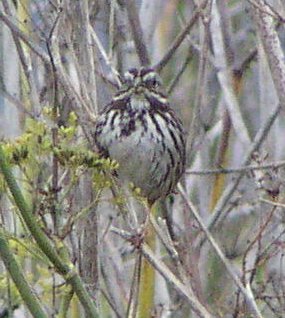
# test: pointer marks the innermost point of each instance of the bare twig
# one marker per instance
(12, 25)
(111, 29)
(25, 61)
(267, 9)
(244, 64)
(276, 61)
(225, 78)
(88, 52)
(180, 72)
(105, 56)
(230, 189)
(180, 38)
(272, 165)
(172, 279)
(201, 87)
(168, 275)
(18, 104)
(255, 240)
(248, 296)
(137, 32)
(272, 48)
(277, 204)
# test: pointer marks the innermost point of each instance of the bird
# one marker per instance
(141, 132)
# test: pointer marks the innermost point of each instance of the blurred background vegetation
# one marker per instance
(222, 65)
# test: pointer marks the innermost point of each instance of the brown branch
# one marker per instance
(180, 72)
(180, 38)
(18, 33)
(272, 165)
(267, 9)
(250, 246)
(137, 32)
(55, 107)
(272, 47)
(168, 275)
(230, 189)
(228, 266)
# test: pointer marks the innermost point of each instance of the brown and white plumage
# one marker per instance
(141, 132)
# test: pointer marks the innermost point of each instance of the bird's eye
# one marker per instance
(128, 79)
(152, 81)
(130, 76)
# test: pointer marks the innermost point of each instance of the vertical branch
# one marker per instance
(272, 47)
(87, 52)
(90, 253)
(180, 37)
(135, 286)
(137, 32)
(55, 113)
(263, 132)
(201, 85)
(148, 14)
(25, 27)
(111, 29)
(229, 267)
(225, 78)
(230, 82)
(25, 62)
(147, 277)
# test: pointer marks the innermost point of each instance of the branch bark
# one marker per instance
(272, 47)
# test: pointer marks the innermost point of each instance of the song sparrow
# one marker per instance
(141, 132)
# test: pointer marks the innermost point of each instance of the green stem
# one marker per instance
(147, 278)
(19, 279)
(44, 243)
(65, 302)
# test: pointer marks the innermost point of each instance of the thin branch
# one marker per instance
(25, 60)
(164, 235)
(137, 32)
(225, 78)
(65, 302)
(168, 275)
(43, 242)
(111, 304)
(111, 29)
(272, 165)
(180, 72)
(105, 56)
(229, 267)
(180, 38)
(256, 239)
(272, 48)
(55, 107)
(267, 9)
(88, 52)
(230, 189)
(244, 64)
(12, 25)
(277, 204)
(195, 304)
(17, 103)
(132, 310)
(195, 124)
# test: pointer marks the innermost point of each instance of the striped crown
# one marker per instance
(143, 81)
